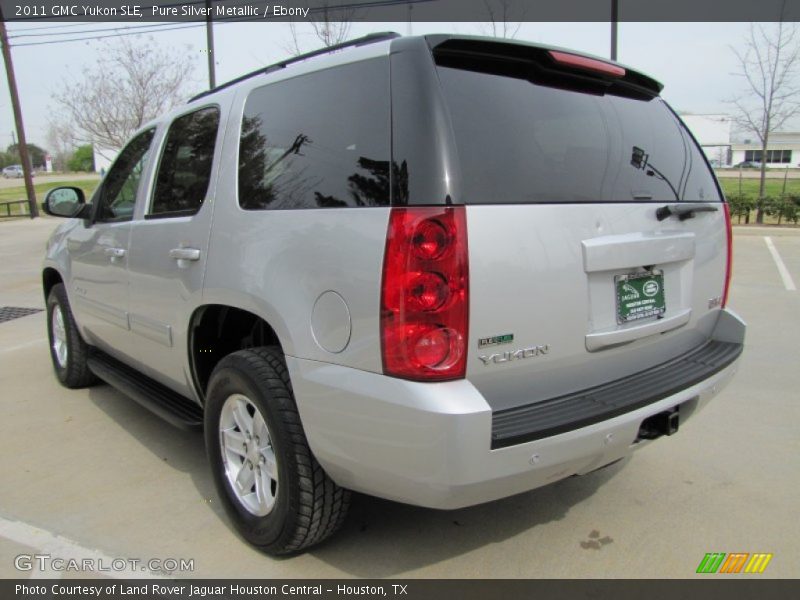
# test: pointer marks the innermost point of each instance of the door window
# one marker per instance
(121, 184)
(185, 169)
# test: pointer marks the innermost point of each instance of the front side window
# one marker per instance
(185, 169)
(121, 184)
(318, 141)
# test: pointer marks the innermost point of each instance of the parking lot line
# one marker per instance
(21, 346)
(55, 546)
(788, 282)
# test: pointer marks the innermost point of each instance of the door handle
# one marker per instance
(185, 254)
(114, 252)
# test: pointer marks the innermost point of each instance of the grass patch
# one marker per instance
(18, 193)
(773, 187)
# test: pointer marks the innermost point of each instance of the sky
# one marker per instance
(694, 61)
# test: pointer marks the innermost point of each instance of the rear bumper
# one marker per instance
(431, 444)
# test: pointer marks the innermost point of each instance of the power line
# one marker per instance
(102, 30)
(63, 26)
(100, 37)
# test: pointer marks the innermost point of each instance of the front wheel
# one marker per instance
(68, 351)
(272, 487)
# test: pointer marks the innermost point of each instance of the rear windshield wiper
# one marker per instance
(683, 211)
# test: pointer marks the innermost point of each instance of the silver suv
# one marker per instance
(440, 270)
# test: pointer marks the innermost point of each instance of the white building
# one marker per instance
(713, 133)
(783, 150)
(103, 159)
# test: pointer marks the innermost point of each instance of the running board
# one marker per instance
(155, 397)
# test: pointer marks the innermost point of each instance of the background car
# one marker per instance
(12, 171)
(748, 164)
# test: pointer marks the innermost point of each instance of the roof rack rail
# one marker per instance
(362, 41)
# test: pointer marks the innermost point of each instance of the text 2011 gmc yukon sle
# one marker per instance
(440, 270)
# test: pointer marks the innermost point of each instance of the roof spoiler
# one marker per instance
(555, 67)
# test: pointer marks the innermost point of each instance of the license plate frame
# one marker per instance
(639, 295)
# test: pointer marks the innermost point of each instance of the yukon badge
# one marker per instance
(502, 357)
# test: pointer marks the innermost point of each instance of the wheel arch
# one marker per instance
(217, 330)
(50, 278)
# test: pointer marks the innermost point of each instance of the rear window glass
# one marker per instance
(519, 142)
(318, 141)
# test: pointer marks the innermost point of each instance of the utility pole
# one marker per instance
(23, 146)
(614, 18)
(210, 47)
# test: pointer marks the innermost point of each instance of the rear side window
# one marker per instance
(318, 141)
(520, 142)
(185, 169)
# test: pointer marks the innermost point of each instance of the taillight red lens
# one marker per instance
(427, 291)
(430, 240)
(424, 294)
(729, 255)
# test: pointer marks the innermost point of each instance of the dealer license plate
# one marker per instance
(640, 295)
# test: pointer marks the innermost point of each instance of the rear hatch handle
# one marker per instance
(683, 211)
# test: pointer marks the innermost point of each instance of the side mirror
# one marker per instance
(65, 202)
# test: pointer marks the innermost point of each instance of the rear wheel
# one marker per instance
(272, 487)
(68, 351)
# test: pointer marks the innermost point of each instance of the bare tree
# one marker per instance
(61, 141)
(505, 17)
(131, 83)
(769, 64)
(330, 25)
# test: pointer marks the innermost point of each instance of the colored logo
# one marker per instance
(650, 288)
(735, 562)
(633, 293)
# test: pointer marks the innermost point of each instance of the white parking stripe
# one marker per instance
(788, 282)
(25, 345)
(46, 542)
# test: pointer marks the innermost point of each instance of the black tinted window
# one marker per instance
(318, 141)
(519, 142)
(121, 184)
(185, 168)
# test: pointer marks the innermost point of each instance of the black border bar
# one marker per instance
(31, 11)
(708, 588)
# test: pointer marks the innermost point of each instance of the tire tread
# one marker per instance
(77, 373)
(322, 505)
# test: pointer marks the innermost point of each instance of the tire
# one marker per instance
(68, 351)
(286, 502)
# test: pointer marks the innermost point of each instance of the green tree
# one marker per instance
(82, 159)
(36, 153)
(740, 206)
(6, 159)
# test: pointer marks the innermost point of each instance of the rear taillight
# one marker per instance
(729, 254)
(424, 294)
